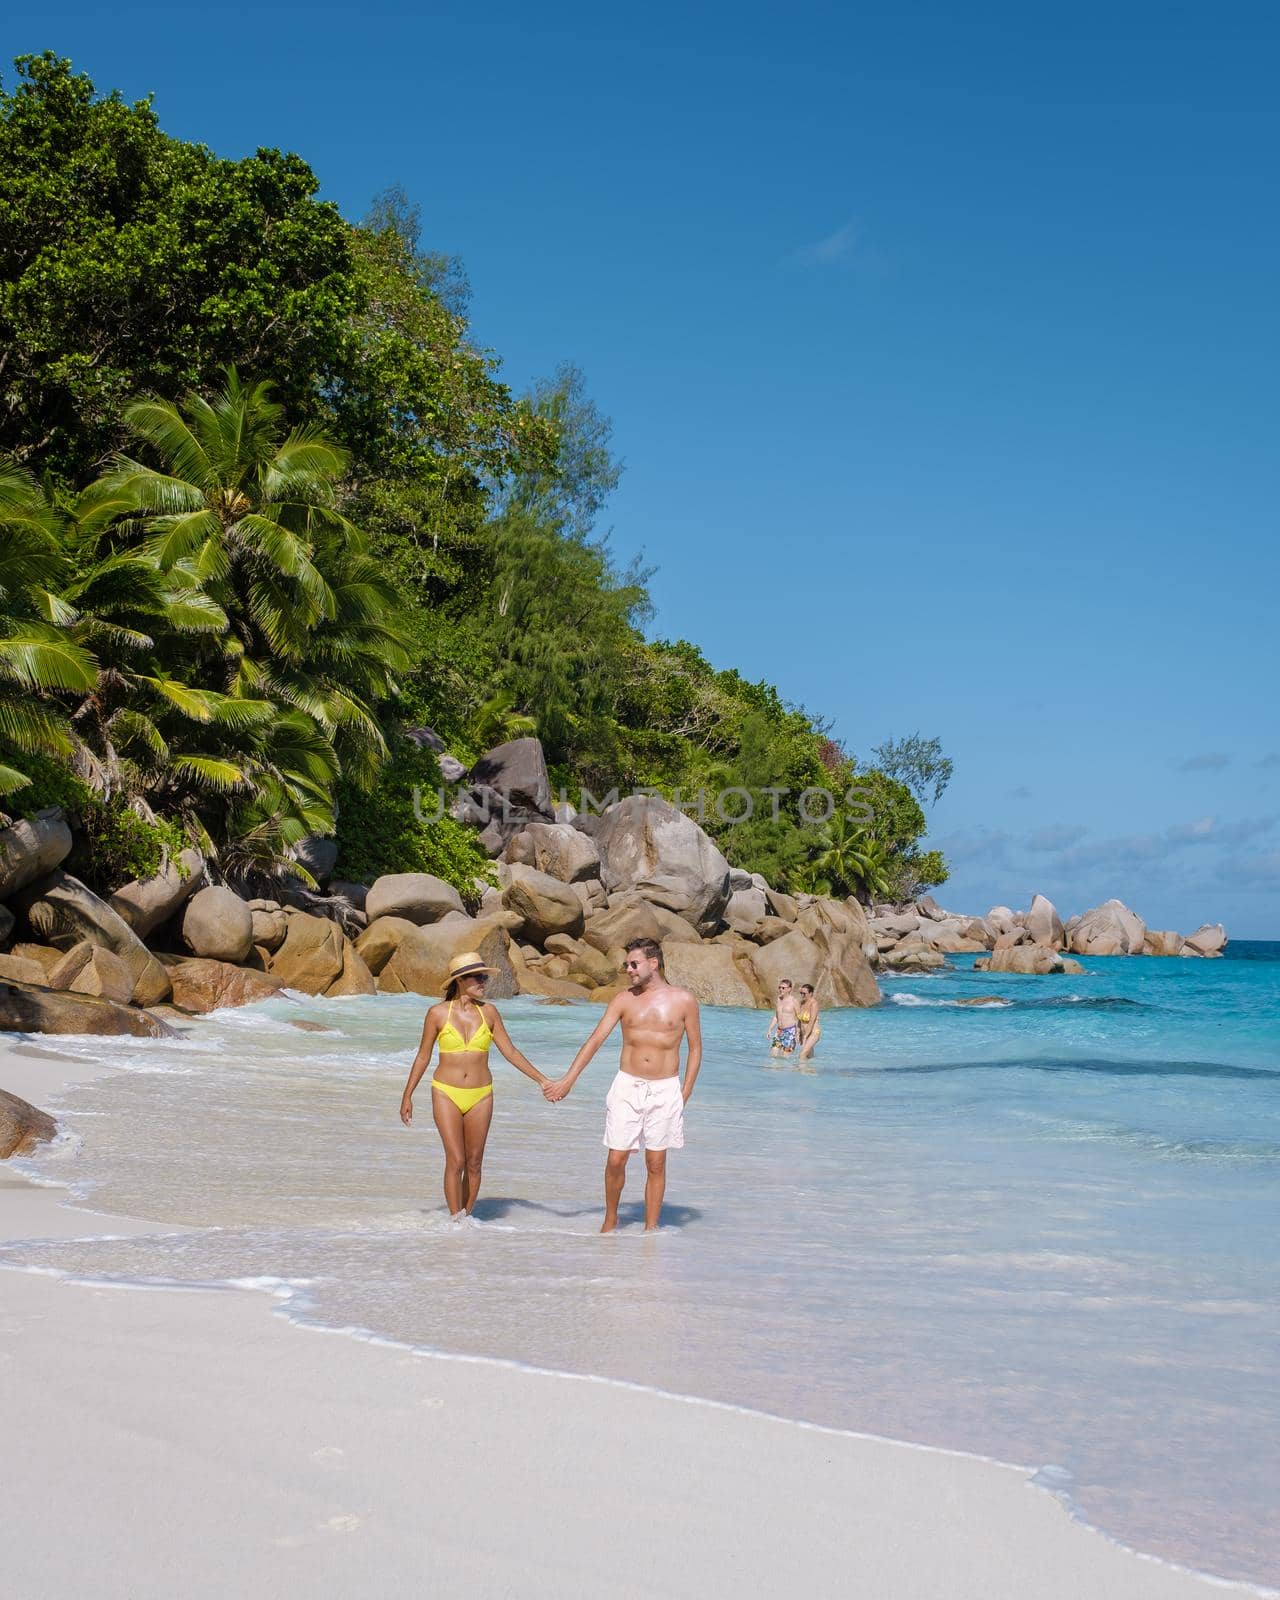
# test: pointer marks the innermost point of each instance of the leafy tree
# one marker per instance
(917, 762)
(133, 262)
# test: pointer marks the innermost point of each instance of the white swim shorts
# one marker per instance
(644, 1114)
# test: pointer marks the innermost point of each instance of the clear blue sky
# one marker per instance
(940, 343)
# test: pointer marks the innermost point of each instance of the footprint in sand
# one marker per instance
(330, 1456)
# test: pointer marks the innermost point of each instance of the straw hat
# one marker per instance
(465, 963)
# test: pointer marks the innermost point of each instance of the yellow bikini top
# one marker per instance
(804, 1016)
(450, 1041)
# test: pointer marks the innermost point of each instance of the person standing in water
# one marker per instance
(462, 1089)
(810, 1019)
(644, 1109)
(784, 1026)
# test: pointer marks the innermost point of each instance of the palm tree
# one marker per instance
(252, 513)
(849, 861)
(37, 656)
(279, 638)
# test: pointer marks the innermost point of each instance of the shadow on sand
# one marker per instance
(493, 1209)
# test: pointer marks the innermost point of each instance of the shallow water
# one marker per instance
(1044, 1231)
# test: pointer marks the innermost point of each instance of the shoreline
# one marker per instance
(984, 1537)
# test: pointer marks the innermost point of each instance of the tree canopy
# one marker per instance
(265, 504)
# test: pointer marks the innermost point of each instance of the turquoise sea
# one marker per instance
(1045, 1230)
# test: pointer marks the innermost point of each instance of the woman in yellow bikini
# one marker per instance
(463, 1027)
(810, 1023)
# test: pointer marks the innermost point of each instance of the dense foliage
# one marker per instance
(264, 505)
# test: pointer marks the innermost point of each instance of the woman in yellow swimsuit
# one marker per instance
(810, 1025)
(463, 1027)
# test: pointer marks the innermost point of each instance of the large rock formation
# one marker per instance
(517, 771)
(1110, 929)
(556, 848)
(217, 924)
(62, 912)
(1208, 940)
(26, 1009)
(647, 845)
(709, 972)
(1044, 924)
(147, 903)
(416, 896)
(312, 955)
(32, 849)
(203, 985)
(89, 969)
(22, 1127)
(616, 926)
(420, 962)
(544, 904)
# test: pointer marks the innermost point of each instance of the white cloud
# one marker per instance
(835, 247)
(1060, 837)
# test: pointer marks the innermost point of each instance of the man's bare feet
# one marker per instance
(609, 1225)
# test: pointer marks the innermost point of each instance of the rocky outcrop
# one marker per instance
(312, 955)
(746, 908)
(1044, 924)
(22, 1127)
(710, 973)
(416, 896)
(26, 1009)
(584, 963)
(544, 904)
(202, 985)
(1162, 942)
(89, 969)
(147, 903)
(1110, 929)
(218, 924)
(616, 926)
(420, 962)
(21, 969)
(31, 849)
(517, 771)
(62, 912)
(268, 928)
(556, 848)
(380, 940)
(647, 845)
(355, 977)
(1208, 940)
(1031, 959)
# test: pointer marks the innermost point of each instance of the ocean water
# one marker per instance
(1046, 1229)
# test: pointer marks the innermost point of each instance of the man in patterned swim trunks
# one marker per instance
(645, 1106)
(784, 1029)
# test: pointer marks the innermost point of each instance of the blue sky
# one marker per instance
(940, 344)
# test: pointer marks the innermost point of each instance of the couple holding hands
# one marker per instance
(644, 1109)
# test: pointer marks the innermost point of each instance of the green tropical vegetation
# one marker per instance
(266, 507)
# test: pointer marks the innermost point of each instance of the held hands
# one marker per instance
(555, 1089)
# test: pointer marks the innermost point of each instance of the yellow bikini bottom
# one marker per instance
(464, 1099)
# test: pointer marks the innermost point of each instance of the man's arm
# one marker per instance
(597, 1036)
(693, 1036)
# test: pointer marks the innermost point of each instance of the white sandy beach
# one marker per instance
(166, 1445)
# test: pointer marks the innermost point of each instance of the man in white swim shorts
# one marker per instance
(645, 1106)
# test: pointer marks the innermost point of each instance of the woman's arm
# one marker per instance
(498, 1028)
(430, 1028)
